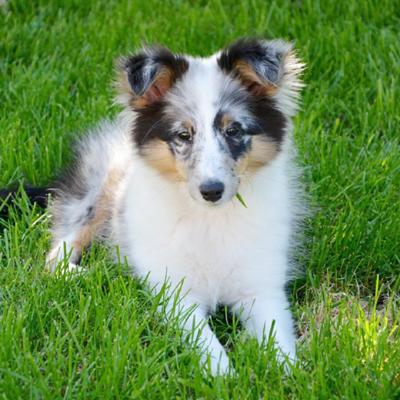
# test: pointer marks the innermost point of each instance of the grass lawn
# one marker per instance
(99, 335)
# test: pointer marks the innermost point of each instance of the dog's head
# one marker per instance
(211, 121)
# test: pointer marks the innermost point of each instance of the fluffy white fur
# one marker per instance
(224, 254)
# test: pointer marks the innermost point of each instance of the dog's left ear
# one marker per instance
(263, 67)
(144, 78)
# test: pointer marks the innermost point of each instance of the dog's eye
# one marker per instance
(233, 131)
(186, 136)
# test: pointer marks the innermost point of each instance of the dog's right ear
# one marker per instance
(263, 67)
(144, 78)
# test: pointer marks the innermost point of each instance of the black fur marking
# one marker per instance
(238, 148)
(268, 120)
(151, 124)
(89, 213)
(37, 195)
(262, 57)
(143, 68)
(238, 145)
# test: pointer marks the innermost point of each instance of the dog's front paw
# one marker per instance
(287, 358)
(218, 364)
(66, 269)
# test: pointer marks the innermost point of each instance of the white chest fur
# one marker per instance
(224, 254)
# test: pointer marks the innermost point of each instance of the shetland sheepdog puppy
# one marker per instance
(195, 182)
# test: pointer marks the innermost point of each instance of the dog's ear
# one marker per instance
(144, 78)
(262, 66)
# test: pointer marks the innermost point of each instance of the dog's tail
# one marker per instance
(37, 195)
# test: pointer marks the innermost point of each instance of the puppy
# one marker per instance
(195, 183)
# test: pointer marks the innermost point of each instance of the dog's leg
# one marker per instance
(79, 220)
(69, 249)
(198, 326)
(261, 312)
(193, 320)
(61, 251)
(73, 230)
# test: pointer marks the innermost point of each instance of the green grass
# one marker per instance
(98, 335)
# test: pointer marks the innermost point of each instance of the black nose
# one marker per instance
(212, 190)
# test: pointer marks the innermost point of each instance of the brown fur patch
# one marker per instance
(262, 152)
(252, 81)
(102, 211)
(188, 125)
(161, 84)
(226, 120)
(158, 155)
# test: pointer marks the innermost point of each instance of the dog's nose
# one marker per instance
(212, 190)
